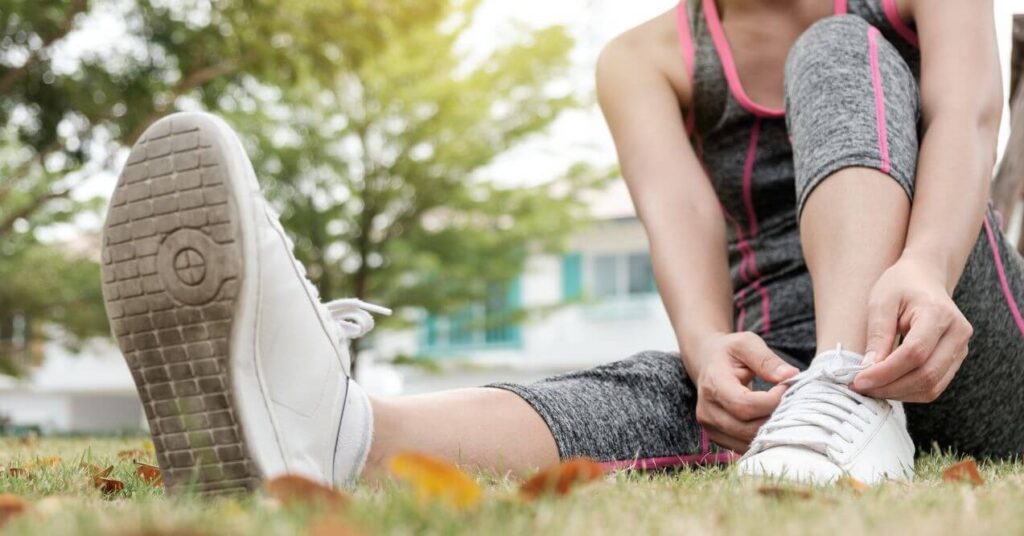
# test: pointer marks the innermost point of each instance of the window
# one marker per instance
(492, 323)
(606, 276)
(620, 275)
(641, 274)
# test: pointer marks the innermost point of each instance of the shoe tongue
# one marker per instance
(840, 367)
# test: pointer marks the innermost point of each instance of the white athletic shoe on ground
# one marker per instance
(823, 430)
(243, 373)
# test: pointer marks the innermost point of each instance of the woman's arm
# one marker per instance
(961, 96)
(672, 195)
(961, 100)
(686, 230)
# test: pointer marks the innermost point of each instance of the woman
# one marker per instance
(810, 174)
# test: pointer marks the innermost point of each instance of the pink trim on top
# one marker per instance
(748, 266)
(685, 39)
(686, 45)
(729, 66)
(892, 13)
(1001, 273)
(841, 7)
(647, 464)
(876, 81)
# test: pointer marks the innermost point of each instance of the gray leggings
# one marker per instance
(640, 411)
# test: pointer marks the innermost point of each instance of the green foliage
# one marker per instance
(379, 173)
(369, 122)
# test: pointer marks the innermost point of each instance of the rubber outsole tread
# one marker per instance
(171, 267)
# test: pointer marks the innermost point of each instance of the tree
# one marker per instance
(370, 130)
(66, 115)
(378, 173)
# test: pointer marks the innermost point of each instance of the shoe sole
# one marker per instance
(172, 273)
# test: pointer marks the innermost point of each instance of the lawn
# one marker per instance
(64, 500)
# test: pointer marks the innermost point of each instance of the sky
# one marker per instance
(578, 135)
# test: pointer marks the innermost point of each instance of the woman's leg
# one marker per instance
(490, 429)
(852, 114)
(636, 412)
(854, 220)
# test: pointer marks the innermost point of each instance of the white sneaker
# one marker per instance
(823, 430)
(243, 373)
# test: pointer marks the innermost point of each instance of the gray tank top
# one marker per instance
(746, 153)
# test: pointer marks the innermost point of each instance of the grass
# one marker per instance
(706, 501)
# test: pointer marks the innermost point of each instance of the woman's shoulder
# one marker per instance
(649, 49)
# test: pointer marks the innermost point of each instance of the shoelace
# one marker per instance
(818, 397)
(349, 318)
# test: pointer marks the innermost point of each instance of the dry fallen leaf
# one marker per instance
(780, 492)
(435, 479)
(850, 483)
(108, 486)
(293, 489)
(15, 472)
(12, 506)
(965, 471)
(101, 479)
(150, 474)
(559, 479)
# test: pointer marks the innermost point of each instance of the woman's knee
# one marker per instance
(851, 100)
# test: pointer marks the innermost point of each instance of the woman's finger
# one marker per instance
(916, 349)
(883, 315)
(927, 382)
(744, 404)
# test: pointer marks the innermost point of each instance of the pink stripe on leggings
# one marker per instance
(666, 462)
(1001, 273)
(876, 80)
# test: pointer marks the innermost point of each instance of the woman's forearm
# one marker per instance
(952, 187)
(688, 251)
(961, 101)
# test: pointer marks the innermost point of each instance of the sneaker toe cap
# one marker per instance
(790, 463)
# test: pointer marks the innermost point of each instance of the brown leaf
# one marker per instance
(294, 489)
(780, 492)
(559, 479)
(108, 486)
(149, 474)
(16, 472)
(95, 471)
(12, 506)
(132, 454)
(850, 483)
(435, 479)
(101, 479)
(965, 471)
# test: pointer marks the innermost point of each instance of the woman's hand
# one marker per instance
(911, 300)
(726, 406)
